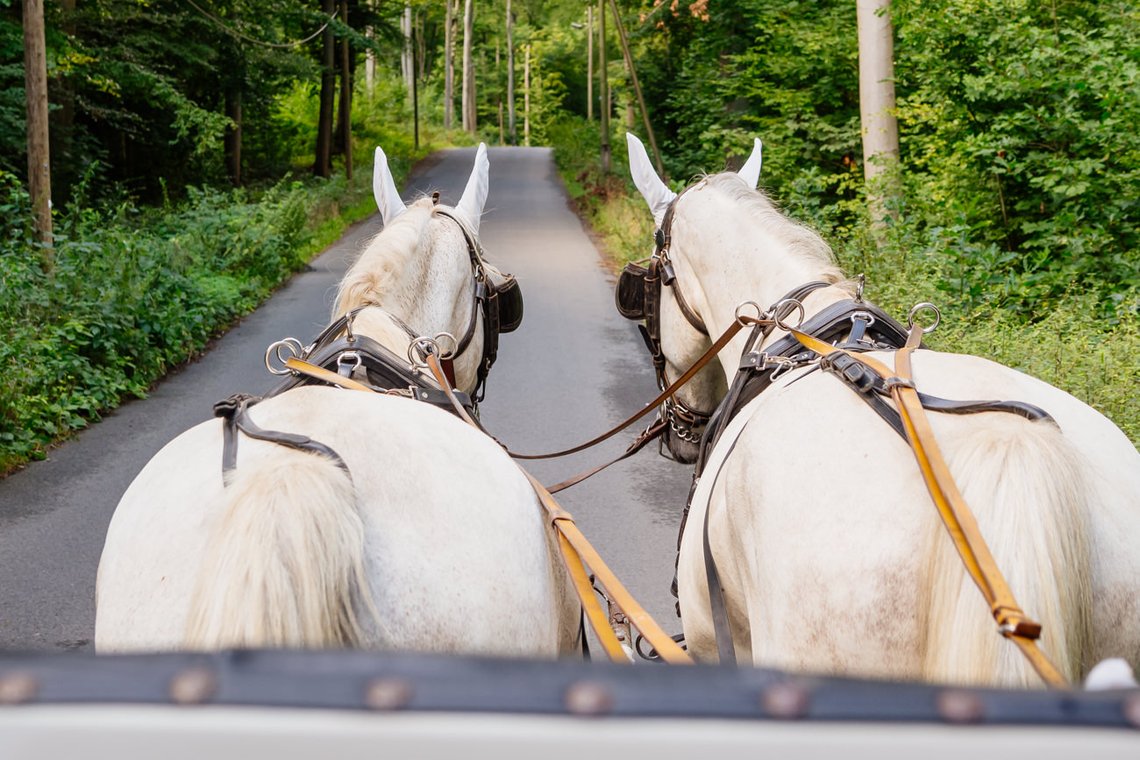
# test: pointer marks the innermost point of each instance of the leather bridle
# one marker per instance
(683, 421)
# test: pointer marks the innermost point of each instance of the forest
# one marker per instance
(202, 151)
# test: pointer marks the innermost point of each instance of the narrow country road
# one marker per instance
(573, 369)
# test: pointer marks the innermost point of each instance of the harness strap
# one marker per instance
(636, 445)
(320, 373)
(688, 375)
(872, 389)
(956, 515)
(234, 411)
(577, 552)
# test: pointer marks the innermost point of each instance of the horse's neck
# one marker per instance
(431, 294)
(384, 327)
(762, 271)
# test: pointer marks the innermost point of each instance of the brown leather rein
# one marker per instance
(653, 430)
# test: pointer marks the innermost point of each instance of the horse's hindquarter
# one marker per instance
(455, 542)
(821, 522)
(156, 538)
(455, 546)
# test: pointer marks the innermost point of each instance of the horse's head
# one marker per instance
(670, 300)
(426, 273)
(723, 250)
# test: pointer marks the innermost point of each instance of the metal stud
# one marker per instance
(388, 694)
(17, 688)
(1131, 710)
(957, 706)
(786, 700)
(193, 686)
(589, 698)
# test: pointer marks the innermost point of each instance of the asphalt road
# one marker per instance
(574, 368)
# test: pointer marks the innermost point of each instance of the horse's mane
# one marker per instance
(387, 254)
(799, 239)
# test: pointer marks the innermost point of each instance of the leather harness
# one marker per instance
(337, 352)
(832, 341)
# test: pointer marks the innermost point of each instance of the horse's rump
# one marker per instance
(820, 516)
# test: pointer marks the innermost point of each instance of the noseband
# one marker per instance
(638, 297)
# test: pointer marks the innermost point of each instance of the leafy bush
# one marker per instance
(133, 293)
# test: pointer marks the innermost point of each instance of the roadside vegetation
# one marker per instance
(186, 187)
(1019, 211)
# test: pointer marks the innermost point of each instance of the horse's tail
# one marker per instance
(1025, 484)
(284, 564)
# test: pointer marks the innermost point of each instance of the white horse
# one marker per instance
(830, 552)
(430, 538)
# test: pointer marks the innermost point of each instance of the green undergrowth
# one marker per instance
(132, 292)
(1079, 342)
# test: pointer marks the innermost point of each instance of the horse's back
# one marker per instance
(822, 523)
(454, 541)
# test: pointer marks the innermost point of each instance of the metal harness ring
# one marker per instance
(454, 345)
(424, 347)
(274, 352)
(778, 309)
(920, 307)
(740, 317)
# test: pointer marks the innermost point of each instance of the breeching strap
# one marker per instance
(576, 553)
(1012, 622)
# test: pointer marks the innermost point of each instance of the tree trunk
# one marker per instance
(370, 59)
(346, 94)
(406, 51)
(449, 64)
(604, 91)
(468, 67)
(526, 99)
(589, 63)
(629, 117)
(511, 129)
(322, 166)
(39, 156)
(877, 100)
(233, 135)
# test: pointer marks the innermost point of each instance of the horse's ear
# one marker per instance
(384, 189)
(656, 193)
(475, 194)
(751, 169)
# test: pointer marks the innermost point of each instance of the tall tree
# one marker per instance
(35, 84)
(406, 52)
(511, 76)
(468, 104)
(449, 22)
(877, 96)
(346, 94)
(322, 167)
(604, 89)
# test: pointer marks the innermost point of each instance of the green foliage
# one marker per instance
(1018, 123)
(136, 292)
